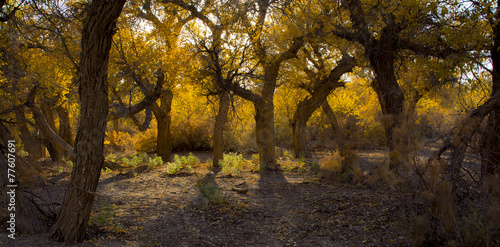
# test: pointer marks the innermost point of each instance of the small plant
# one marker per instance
(111, 157)
(24, 154)
(125, 161)
(136, 160)
(67, 165)
(105, 217)
(288, 154)
(255, 158)
(154, 162)
(232, 164)
(314, 165)
(210, 192)
(279, 151)
(341, 165)
(289, 163)
(182, 164)
(331, 164)
(255, 165)
(106, 170)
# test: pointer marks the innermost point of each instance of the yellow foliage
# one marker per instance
(145, 142)
(331, 164)
(118, 140)
(192, 119)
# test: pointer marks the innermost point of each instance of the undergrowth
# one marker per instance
(288, 162)
(105, 217)
(232, 164)
(210, 193)
(182, 164)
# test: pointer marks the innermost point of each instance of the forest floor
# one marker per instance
(140, 207)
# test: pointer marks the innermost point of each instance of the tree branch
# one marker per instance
(41, 122)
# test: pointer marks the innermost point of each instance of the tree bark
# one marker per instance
(32, 144)
(334, 124)
(47, 107)
(299, 124)
(163, 118)
(390, 95)
(220, 121)
(491, 145)
(45, 128)
(264, 130)
(64, 125)
(463, 135)
(319, 93)
(97, 34)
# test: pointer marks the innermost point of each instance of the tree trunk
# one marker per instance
(162, 114)
(463, 134)
(97, 34)
(491, 145)
(64, 125)
(28, 217)
(44, 127)
(299, 124)
(319, 93)
(32, 143)
(264, 129)
(334, 124)
(220, 121)
(390, 95)
(47, 107)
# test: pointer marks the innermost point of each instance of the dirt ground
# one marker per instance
(137, 207)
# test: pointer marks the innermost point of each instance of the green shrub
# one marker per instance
(289, 163)
(111, 157)
(66, 165)
(136, 159)
(209, 191)
(288, 154)
(182, 164)
(232, 164)
(154, 162)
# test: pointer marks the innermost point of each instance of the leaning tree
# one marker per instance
(97, 34)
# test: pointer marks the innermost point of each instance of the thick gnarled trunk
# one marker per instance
(299, 125)
(319, 93)
(97, 34)
(162, 114)
(264, 130)
(334, 124)
(390, 95)
(220, 121)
